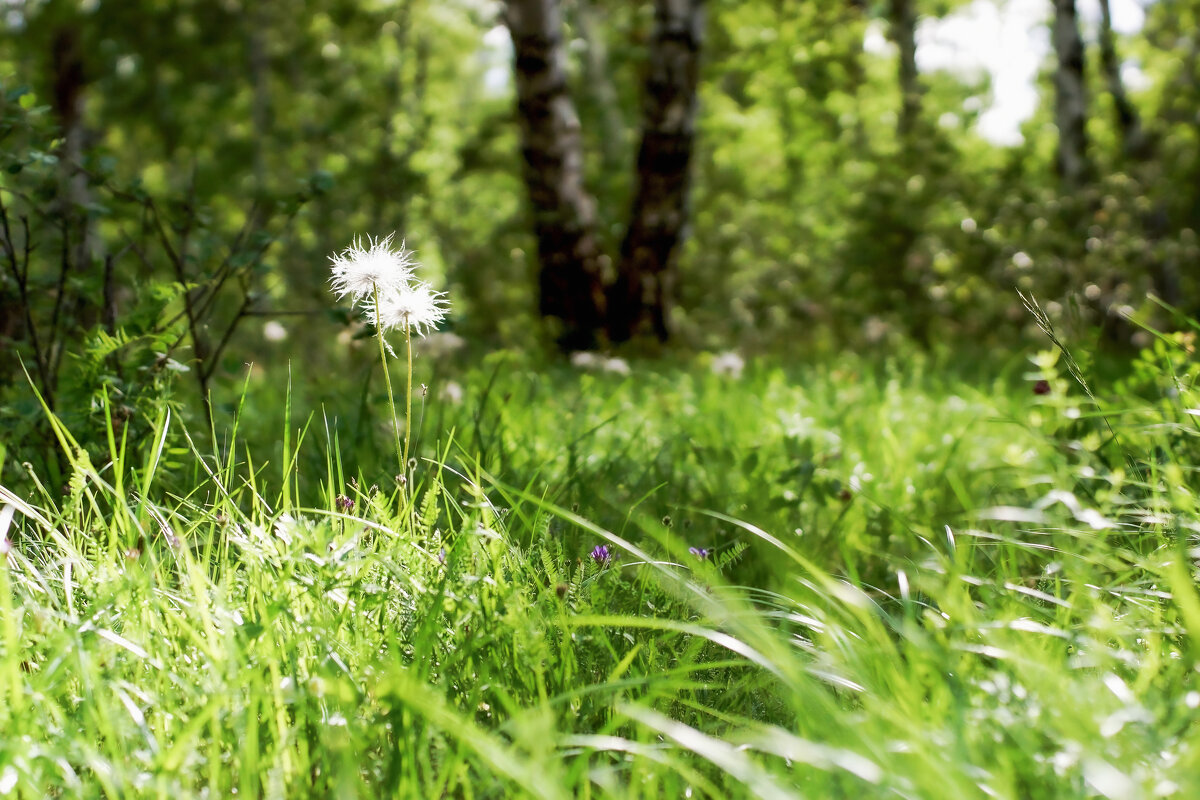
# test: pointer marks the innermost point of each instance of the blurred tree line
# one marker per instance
(174, 174)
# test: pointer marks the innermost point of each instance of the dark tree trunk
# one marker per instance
(639, 301)
(1070, 98)
(80, 244)
(1129, 123)
(571, 272)
(260, 79)
(69, 82)
(1138, 148)
(1164, 269)
(902, 28)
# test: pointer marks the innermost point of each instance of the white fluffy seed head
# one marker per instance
(361, 269)
(730, 364)
(415, 306)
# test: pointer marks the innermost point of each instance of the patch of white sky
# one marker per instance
(497, 59)
(1008, 40)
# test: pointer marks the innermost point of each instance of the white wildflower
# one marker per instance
(585, 359)
(875, 329)
(415, 306)
(362, 270)
(617, 366)
(274, 332)
(1022, 260)
(452, 392)
(729, 363)
(443, 344)
(287, 528)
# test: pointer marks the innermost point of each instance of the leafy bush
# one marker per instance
(108, 292)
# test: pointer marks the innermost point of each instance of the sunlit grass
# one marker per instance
(916, 587)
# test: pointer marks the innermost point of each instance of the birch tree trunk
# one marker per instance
(1070, 98)
(570, 278)
(639, 301)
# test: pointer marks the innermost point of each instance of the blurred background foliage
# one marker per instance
(175, 175)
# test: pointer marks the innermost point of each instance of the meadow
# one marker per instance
(568, 398)
(867, 577)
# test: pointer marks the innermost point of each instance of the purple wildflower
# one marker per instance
(701, 553)
(601, 555)
(1042, 387)
(345, 503)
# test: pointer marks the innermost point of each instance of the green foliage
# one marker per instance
(84, 325)
(812, 215)
(930, 573)
(985, 591)
(59, 344)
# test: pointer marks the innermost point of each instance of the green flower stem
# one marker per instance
(387, 380)
(407, 394)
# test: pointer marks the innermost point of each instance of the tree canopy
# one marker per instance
(176, 174)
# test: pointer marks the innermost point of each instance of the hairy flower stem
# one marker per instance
(387, 381)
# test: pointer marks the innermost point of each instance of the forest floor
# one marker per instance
(822, 581)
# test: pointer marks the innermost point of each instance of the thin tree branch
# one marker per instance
(21, 276)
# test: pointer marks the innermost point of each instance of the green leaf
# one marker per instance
(321, 182)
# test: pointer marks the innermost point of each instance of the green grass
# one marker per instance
(920, 587)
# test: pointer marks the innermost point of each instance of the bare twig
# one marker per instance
(210, 367)
(60, 292)
(21, 276)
